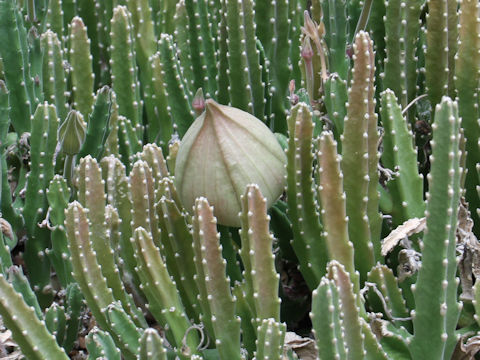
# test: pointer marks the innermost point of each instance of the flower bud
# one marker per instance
(223, 151)
(198, 103)
(71, 134)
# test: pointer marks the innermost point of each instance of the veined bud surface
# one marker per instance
(71, 133)
(223, 151)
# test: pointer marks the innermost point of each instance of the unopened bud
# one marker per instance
(224, 150)
(198, 102)
(71, 133)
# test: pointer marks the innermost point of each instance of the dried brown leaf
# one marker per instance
(469, 248)
(303, 347)
(409, 262)
(6, 228)
(408, 228)
(467, 350)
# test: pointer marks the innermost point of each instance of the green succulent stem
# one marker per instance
(28, 330)
(302, 207)
(356, 154)
(215, 285)
(436, 306)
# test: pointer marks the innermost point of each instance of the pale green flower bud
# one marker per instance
(223, 151)
(71, 134)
